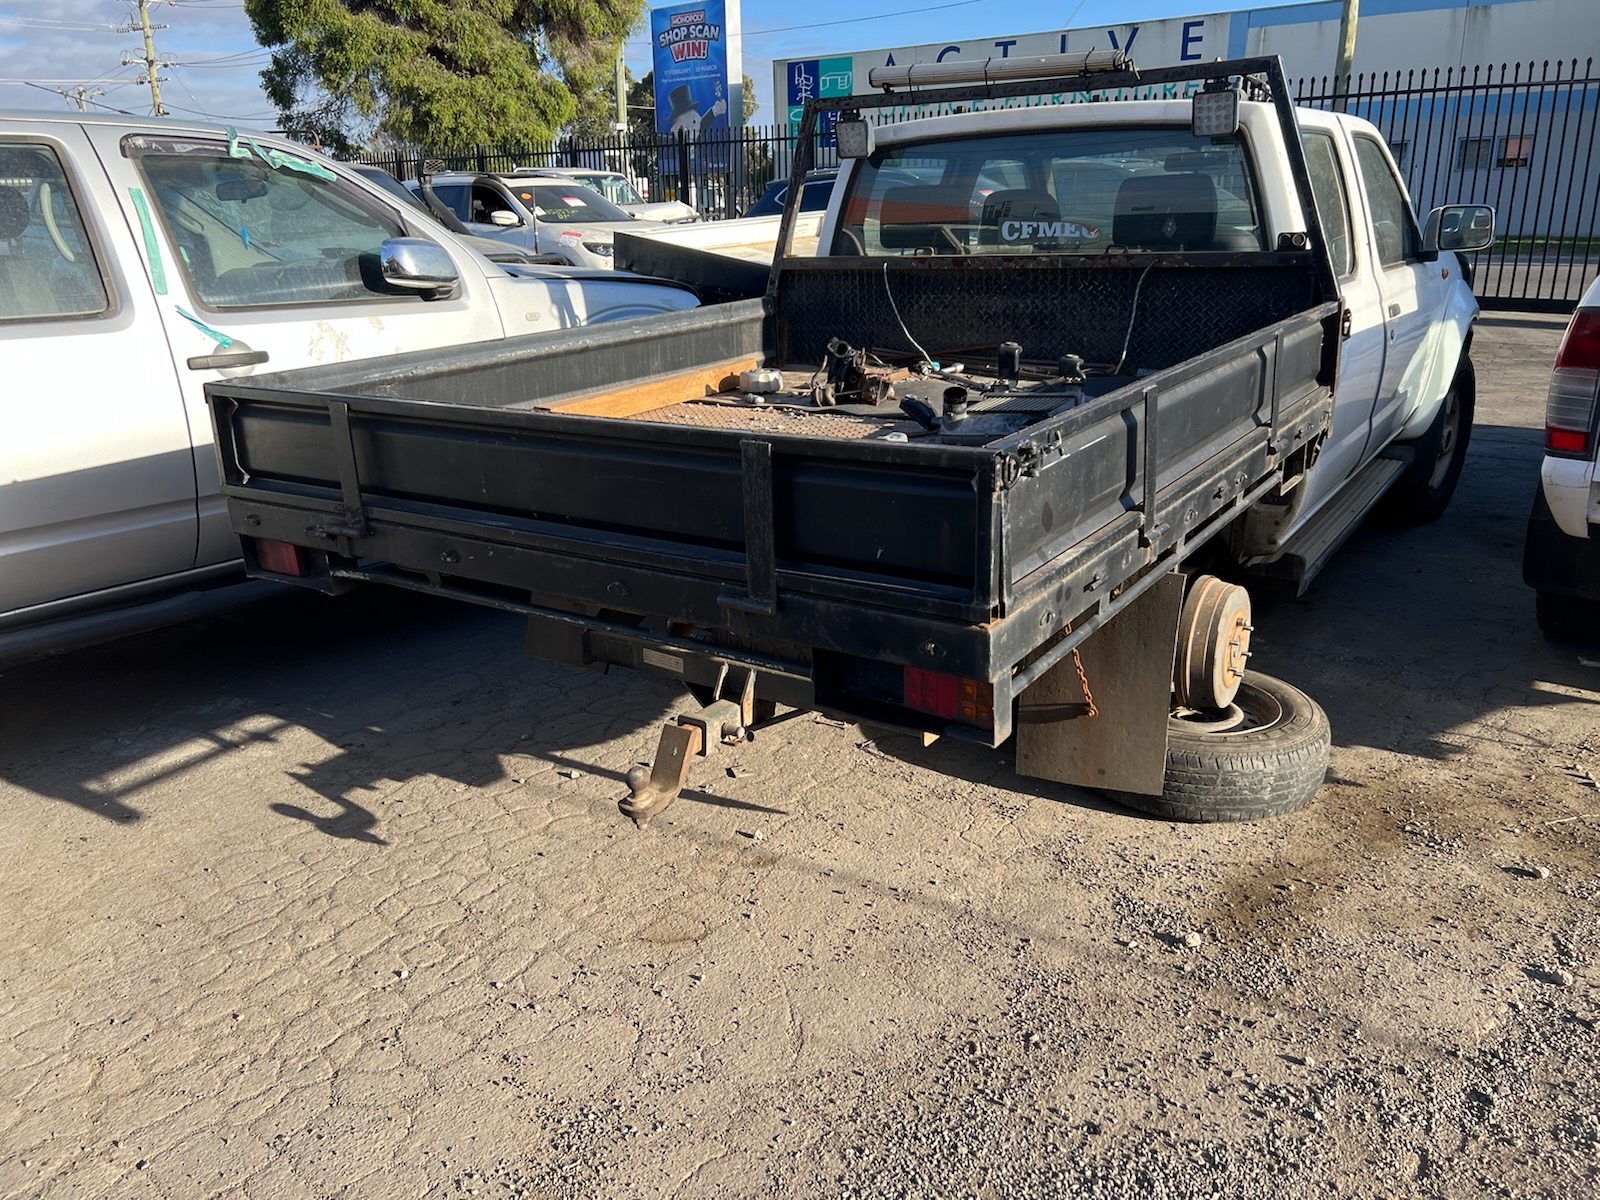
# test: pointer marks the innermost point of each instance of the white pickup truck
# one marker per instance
(1049, 366)
(139, 260)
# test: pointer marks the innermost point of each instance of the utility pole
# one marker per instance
(1347, 52)
(82, 94)
(152, 65)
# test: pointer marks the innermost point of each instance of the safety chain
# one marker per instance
(1083, 679)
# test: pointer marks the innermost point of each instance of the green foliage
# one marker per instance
(436, 73)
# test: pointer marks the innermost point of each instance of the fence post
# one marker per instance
(483, 159)
(685, 183)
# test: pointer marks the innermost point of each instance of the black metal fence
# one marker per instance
(1520, 137)
(721, 174)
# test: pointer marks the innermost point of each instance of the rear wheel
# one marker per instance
(1567, 618)
(1262, 756)
(1424, 491)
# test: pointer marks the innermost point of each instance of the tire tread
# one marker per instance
(1246, 776)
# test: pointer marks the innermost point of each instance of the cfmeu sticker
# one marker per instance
(1035, 231)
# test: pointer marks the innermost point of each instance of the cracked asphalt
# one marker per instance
(319, 898)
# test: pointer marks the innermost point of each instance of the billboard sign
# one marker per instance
(689, 44)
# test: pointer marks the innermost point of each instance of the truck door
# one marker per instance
(1362, 357)
(1411, 291)
(97, 485)
(264, 257)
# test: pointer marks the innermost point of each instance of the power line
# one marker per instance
(52, 24)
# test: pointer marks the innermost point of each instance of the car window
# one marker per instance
(814, 197)
(254, 232)
(1394, 230)
(487, 199)
(571, 203)
(454, 197)
(48, 266)
(1078, 191)
(1333, 203)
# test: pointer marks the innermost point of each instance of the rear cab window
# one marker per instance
(49, 267)
(1333, 200)
(1051, 192)
(255, 232)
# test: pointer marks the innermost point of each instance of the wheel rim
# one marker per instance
(1449, 439)
(1251, 709)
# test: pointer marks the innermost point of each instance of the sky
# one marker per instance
(69, 43)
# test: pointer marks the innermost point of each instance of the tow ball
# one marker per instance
(724, 721)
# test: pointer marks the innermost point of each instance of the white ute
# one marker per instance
(138, 260)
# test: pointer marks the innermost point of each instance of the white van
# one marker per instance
(140, 259)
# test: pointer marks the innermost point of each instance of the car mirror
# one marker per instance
(418, 265)
(505, 217)
(1459, 227)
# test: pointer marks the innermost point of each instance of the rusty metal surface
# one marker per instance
(652, 790)
(777, 420)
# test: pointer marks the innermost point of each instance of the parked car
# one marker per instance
(140, 259)
(491, 248)
(618, 188)
(558, 220)
(1561, 556)
(814, 194)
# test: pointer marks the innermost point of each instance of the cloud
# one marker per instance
(77, 43)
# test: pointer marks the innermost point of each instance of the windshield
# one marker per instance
(1053, 192)
(570, 203)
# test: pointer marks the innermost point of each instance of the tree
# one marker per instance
(435, 73)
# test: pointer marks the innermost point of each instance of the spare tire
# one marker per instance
(1265, 755)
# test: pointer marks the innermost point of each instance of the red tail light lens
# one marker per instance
(1574, 384)
(280, 558)
(969, 701)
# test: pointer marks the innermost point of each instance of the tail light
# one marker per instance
(281, 558)
(1569, 410)
(969, 701)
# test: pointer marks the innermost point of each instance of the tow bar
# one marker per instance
(723, 721)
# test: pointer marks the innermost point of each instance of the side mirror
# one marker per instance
(417, 265)
(1459, 227)
(504, 217)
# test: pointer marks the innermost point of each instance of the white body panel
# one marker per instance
(108, 477)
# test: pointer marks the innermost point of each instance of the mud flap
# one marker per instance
(1128, 663)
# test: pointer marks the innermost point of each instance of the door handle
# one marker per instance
(235, 358)
(1394, 310)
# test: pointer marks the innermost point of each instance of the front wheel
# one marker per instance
(1567, 618)
(1424, 491)
(1262, 756)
